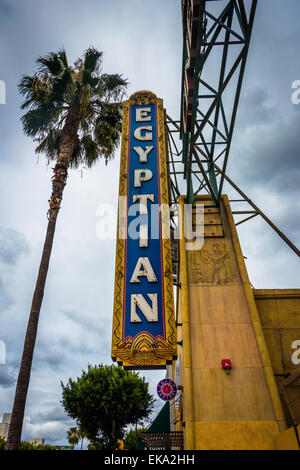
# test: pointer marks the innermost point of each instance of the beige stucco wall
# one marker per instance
(218, 320)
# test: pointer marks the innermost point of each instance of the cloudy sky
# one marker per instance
(142, 40)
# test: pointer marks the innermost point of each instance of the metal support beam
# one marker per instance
(204, 119)
(256, 211)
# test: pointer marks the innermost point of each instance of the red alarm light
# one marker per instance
(226, 364)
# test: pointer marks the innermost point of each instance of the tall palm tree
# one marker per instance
(74, 115)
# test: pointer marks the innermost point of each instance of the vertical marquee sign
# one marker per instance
(144, 333)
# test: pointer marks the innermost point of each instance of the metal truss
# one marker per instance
(176, 171)
(216, 37)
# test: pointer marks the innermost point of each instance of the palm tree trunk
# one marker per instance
(69, 138)
(15, 428)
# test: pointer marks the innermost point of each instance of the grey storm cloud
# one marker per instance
(53, 414)
(12, 245)
(85, 320)
(54, 431)
(270, 156)
(50, 356)
(290, 221)
(6, 299)
(256, 108)
(266, 145)
(7, 376)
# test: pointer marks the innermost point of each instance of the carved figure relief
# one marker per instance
(217, 257)
(209, 265)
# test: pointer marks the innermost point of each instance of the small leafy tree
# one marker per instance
(104, 400)
(132, 438)
(2, 443)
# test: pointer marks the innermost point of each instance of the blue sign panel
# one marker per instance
(154, 249)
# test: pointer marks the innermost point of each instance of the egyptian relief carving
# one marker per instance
(213, 264)
(217, 257)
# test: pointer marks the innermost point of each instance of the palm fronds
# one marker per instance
(53, 63)
(57, 89)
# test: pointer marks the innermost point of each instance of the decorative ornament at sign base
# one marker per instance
(166, 389)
